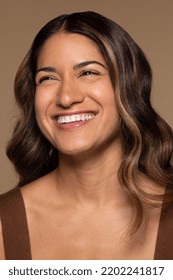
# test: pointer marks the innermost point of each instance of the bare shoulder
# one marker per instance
(37, 187)
(37, 194)
(2, 255)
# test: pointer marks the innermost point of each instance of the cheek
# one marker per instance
(41, 106)
(104, 93)
(37, 104)
(40, 111)
(108, 99)
(42, 101)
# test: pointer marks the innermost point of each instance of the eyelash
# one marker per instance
(88, 73)
(83, 73)
(45, 78)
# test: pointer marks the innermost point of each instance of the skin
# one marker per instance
(80, 210)
(75, 89)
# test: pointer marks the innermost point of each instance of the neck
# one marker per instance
(91, 180)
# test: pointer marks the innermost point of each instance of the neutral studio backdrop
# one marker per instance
(149, 22)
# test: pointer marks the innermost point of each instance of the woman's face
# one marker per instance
(75, 102)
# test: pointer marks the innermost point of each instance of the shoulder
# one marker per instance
(2, 255)
(8, 197)
(9, 193)
(37, 190)
(7, 201)
(11, 204)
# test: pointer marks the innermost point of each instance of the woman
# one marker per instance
(94, 158)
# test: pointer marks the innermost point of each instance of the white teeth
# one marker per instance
(78, 118)
(75, 118)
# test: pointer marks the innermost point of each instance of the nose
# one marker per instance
(68, 94)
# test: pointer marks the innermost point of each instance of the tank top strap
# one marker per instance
(14, 226)
(164, 243)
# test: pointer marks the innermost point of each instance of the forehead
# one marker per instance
(69, 46)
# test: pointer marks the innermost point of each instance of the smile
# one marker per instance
(75, 118)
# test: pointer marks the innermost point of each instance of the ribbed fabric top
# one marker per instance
(14, 226)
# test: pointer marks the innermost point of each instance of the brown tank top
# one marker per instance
(16, 235)
(164, 242)
(14, 226)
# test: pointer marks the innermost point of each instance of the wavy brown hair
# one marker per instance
(147, 139)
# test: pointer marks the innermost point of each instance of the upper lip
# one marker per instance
(73, 113)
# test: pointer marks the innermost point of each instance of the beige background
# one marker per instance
(150, 23)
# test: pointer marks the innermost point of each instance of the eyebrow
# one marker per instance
(75, 67)
(47, 69)
(86, 63)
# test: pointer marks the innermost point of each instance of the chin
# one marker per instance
(75, 152)
(73, 148)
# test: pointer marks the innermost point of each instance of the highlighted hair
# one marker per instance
(147, 139)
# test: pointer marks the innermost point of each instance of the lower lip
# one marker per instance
(72, 125)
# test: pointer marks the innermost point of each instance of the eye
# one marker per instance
(88, 73)
(45, 79)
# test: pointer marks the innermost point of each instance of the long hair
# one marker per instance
(147, 139)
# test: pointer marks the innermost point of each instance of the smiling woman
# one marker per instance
(77, 94)
(94, 159)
